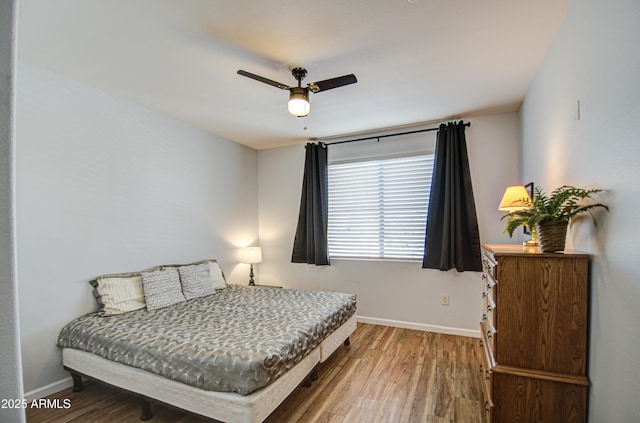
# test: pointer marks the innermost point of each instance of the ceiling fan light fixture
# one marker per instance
(299, 101)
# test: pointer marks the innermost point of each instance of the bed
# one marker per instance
(232, 355)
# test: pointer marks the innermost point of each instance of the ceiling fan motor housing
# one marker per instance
(299, 74)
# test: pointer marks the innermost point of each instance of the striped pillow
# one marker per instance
(118, 294)
(217, 277)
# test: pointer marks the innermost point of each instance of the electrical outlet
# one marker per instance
(445, 300)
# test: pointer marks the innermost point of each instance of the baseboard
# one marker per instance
(420, 326)
(49, 389)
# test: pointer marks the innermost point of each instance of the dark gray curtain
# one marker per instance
(452, 237)
(310, 244)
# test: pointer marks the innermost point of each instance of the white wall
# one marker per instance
(595, 58)
(10, 365)
(392, 291)
(105, 186)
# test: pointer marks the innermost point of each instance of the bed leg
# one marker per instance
(347, 342)
(314, 374)
(77, 382)
(146, 410)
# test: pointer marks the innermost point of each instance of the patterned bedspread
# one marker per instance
(239, 339)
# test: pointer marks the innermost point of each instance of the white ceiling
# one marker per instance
(415, 61)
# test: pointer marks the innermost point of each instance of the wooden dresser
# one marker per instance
(534, 335)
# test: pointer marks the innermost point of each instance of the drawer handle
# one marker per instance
(484, 317)
(481, 343)
(487, 374)
(484, 295)
(489, 309)
(488, 287)
(489, 335)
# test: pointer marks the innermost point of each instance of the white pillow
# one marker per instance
(217, 277)
(119, 294)
(162, 288)
(196, 281)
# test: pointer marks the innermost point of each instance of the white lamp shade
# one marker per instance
(299, 107)
(515, 198)
(251, 255)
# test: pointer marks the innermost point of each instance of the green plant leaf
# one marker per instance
(563, 204)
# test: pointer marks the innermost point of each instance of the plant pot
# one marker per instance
(552, 235)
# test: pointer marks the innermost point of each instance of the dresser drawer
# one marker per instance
(486, 377)
(486, 389)
(489, 287)
(487, 411)
(488, 336)
(487, 403)
(490, 267)
(488, 307)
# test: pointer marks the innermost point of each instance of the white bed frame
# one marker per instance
(228, 407)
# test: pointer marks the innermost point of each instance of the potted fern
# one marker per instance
(551, 214)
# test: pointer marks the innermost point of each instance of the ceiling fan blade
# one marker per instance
(263, 79)
(329, 84)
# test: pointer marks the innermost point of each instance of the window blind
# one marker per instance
(378, 208)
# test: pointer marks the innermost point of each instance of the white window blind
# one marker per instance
(378, 208)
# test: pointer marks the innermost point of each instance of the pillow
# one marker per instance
(217, 277)
(118, 294)
(196, 281)
(162, 288)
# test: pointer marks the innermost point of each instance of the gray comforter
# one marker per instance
(239, 339)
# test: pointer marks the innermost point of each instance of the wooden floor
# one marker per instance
(385, 375)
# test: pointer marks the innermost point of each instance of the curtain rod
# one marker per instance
(468, 124)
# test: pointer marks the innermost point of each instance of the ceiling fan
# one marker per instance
(299, 96)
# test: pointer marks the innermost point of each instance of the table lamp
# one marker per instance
(516, 198)
(251, 255)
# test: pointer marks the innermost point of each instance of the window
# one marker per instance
(378, 208)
